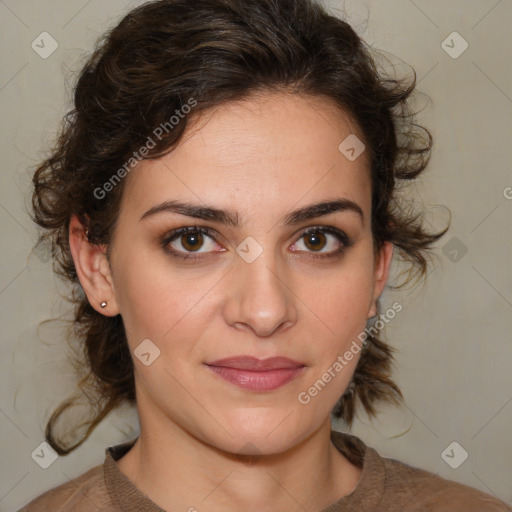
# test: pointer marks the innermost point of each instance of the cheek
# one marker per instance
(343, 302)
(154, 300)
(343, 307)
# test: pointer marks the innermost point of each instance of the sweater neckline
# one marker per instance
(367, 493)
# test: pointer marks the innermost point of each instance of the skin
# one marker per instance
(262, 158)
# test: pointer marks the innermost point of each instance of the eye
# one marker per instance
(191, 239)
(325, 241)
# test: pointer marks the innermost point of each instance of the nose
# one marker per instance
(260, 297)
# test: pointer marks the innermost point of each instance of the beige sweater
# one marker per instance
(386, 485)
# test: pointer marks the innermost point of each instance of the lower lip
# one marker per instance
(257, 380)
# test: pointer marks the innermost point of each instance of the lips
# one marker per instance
(257, 374)
(255, 364)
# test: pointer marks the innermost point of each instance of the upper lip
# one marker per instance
(255, 364)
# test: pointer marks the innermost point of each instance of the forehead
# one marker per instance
(269, 151)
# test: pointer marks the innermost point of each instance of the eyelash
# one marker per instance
(176, 233)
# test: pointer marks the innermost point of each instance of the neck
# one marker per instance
(179, 472)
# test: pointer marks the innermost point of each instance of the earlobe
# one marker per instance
(381, 274)
(93, 270)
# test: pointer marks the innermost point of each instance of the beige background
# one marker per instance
(453, 336)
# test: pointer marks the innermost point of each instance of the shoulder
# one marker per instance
(84, 493)
(427, 491)
(388, 484)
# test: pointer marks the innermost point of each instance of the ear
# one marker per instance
(381, 274)
(93, 269)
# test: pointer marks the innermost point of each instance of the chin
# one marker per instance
(255, 433)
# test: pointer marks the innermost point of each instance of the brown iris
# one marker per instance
(192, 241)
(315, 240)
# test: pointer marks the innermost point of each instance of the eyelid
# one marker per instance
(178, 232)
(338, 233)
(345, 241)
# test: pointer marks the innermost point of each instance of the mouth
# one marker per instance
(257, 374)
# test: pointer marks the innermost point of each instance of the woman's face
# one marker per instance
(246, 282)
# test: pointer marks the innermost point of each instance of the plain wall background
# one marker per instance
(453, 337)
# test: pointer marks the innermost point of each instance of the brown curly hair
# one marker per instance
(159, 57)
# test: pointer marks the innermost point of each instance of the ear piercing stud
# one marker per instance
(103, 304)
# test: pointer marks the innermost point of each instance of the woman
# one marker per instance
(226, 194)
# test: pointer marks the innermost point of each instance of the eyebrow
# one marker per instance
(231, 218)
